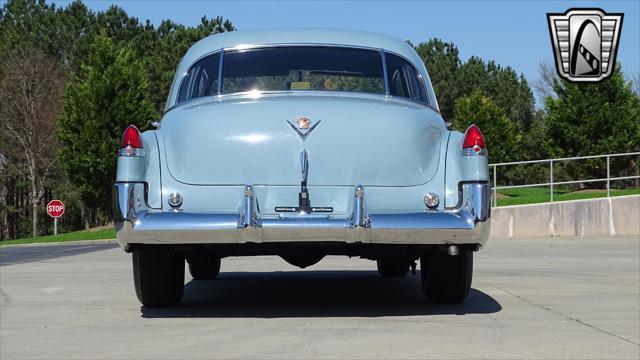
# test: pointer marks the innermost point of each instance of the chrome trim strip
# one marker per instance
(305, 222)
(277, 44)
(385, 73)
(470, 152)
(435, 220)
(358, 207)
(220, 62)
(252, 95)
(134, 152)
(248, 212)
(159, 221)
(304, 165)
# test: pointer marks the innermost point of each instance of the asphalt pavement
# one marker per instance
(531, 298)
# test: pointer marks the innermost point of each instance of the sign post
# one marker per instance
(55, 209)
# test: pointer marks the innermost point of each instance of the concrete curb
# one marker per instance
(617, 215)
(61, 243)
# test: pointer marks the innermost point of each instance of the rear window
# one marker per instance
(404, 79)
(302, 68)
(201, 79)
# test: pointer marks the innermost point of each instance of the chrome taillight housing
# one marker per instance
(473, 143)
(131, 144)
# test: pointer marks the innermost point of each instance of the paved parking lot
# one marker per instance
(531, 298)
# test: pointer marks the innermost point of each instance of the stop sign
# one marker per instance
(55, 208)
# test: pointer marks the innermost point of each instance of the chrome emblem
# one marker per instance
(304, 123)
(585, 42)
(303, 127)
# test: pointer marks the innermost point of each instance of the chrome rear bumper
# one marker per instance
(136, 224)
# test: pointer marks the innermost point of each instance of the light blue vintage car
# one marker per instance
(301, 143)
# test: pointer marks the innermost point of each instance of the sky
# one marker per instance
(513, 33)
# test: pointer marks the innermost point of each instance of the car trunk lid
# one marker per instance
(349, 140)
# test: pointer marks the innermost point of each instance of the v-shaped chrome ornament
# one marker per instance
(303, 130)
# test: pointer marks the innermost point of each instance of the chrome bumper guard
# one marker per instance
(137, 224)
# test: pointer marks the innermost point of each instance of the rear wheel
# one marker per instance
(158, 275)
(446, 279)
(393, 267)
(205, 269)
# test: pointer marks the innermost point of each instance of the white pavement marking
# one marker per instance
(51, 290)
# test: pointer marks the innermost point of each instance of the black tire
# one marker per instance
(446, 279)
(205, 269)
(158, 275)
(393, 267)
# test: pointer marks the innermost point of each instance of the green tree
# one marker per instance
(442, 61)
(453, 79)
(27, 24)
(57, 32)
(111, 93)
(508, 91)
(588, 119)
(502, 135)
(67, 36)
(171, 42)
(161, 49)
(592, 119)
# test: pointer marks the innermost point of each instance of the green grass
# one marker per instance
(70, 236)
(521, 196)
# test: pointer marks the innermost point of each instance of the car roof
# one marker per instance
(300, 36)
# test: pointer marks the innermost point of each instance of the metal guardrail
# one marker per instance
(551, 183)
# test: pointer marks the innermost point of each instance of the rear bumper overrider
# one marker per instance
(135, 223)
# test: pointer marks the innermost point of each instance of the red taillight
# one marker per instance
(473, 139)
(131, 137)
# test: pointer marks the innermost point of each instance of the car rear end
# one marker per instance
(303, 172)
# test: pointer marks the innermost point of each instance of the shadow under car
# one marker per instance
(313, 294)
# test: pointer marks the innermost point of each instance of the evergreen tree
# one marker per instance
(442, 61)
(508, 91)
(592, 119)
(502, 135)
(111, 93)
(453, 79)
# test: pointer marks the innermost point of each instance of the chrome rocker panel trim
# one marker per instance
(137, 224)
